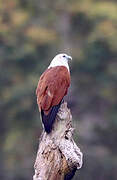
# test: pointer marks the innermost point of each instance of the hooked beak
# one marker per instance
(69, 58)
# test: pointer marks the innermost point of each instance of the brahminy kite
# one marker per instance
(52, 87)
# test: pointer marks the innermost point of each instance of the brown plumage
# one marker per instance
(52, 87)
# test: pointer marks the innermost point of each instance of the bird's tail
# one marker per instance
(49, 119)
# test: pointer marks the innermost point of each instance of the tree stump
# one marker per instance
(58, 156)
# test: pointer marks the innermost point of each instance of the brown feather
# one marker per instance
(52, 87)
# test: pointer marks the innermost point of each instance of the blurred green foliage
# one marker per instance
(31, 33)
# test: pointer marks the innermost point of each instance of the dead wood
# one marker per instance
(58, 156)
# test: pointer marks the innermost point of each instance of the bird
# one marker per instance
(52, 87)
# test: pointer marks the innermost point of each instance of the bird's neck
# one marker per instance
(58, 63)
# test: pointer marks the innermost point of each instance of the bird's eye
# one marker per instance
(64, 56)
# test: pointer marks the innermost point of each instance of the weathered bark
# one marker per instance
(58, 156)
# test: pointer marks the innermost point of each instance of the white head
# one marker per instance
(60, 60)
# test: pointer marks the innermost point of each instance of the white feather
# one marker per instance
(60, 60)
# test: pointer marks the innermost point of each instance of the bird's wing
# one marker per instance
(52, 87)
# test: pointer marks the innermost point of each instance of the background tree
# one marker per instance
(31, 33)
